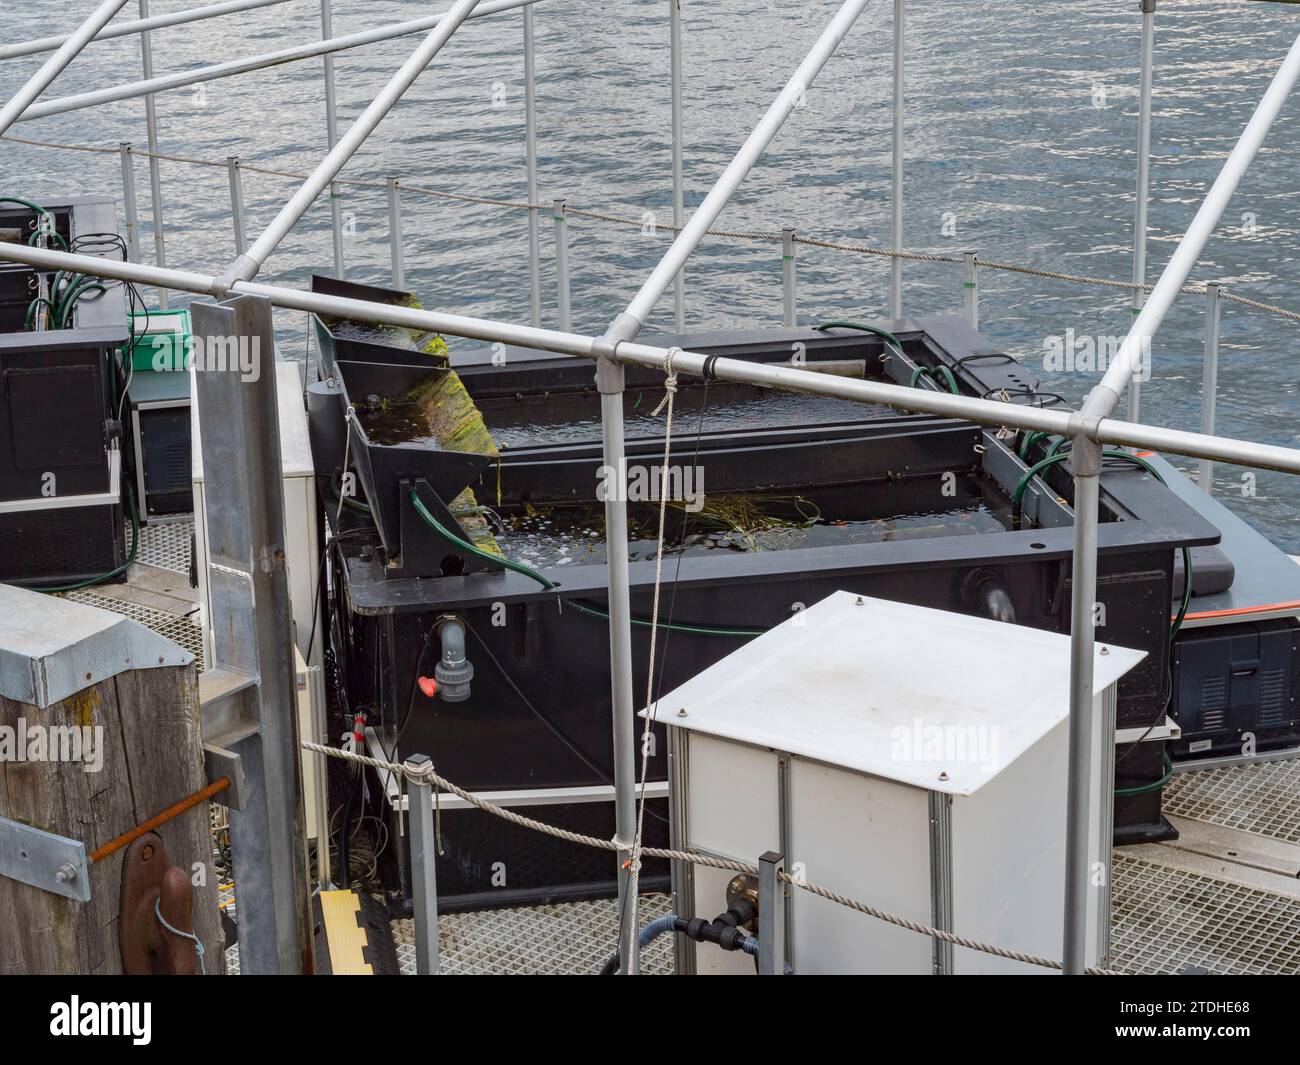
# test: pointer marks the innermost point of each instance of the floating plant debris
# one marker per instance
(917, 508)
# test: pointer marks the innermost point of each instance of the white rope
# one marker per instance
(670, 391)
(349, 416)
(198, 943)
(427, 775)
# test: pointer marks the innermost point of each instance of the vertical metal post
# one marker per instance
(424, 871)
(679, 184)
(129, 203)
(683, 873)
(332, 133)
(1210, 379)
(970, 289)
(236, 201)
(252, 629)
(155, 175)
(562, 268)
(1148, 9)
(395, 234)
(609, 382)
(787, 277)
(530, 137)
(771, 915)
(896, 264)
(1085, 458)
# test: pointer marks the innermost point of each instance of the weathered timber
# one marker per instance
(151, 758)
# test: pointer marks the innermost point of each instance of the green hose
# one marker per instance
(862, 327)
(1030, 439)
(465, 545)
(38, 209)
(917, 374)
(1155, 785)
(549, 585)
(925, 371)
(1053, 459)
(31, 310)
(65, 303)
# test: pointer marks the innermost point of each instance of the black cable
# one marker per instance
(1045, 399)
(344, 849)
(415, 687)
(980, 356)
(551, 726)
(320, 588)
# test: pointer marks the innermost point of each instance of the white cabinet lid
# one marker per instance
(926, 697)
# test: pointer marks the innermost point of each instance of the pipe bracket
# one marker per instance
(244, 268)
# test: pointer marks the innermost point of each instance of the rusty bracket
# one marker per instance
(151, 884)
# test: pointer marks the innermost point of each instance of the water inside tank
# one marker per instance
(965, 504)
(565, 418)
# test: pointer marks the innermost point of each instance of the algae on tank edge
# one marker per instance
(465, 510)
(401, 336)
(453, 420)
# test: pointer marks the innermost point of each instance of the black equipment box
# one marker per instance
(61, 476)
(159, 404)
(1237, 688)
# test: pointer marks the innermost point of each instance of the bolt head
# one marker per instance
(681, 712)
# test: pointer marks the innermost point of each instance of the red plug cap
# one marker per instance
(429, 686)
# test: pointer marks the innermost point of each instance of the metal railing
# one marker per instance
(1088, 429)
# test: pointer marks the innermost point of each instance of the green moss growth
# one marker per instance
(453, 420)
(398, 336)
(466, 510)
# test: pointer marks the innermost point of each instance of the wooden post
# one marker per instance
(144, 754)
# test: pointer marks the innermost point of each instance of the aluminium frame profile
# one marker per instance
(125, 29)
(247, 265)
(609, 382)
(182, 78)
(54, 66)
(1086, 464)
(628, 324)
(782, 377)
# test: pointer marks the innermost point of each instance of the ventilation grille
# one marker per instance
(1273, 708)
(1214, 704)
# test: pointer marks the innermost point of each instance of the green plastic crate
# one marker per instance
(162, 340)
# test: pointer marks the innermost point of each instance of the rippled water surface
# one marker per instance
(1021, 128)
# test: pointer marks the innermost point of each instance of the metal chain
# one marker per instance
(427, 775)
(771, 236)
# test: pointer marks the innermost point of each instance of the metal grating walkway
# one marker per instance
(1165, 919)
(1263, 798)
(563, 939)
(165, 545)
(182, 629)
